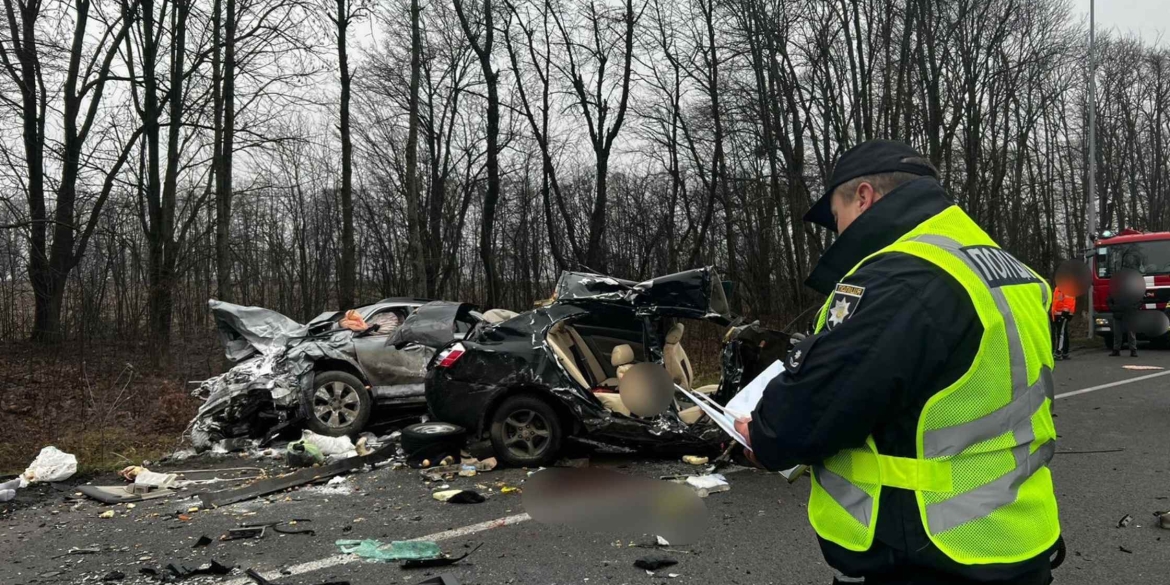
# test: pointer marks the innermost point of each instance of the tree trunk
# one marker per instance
(345, 291)
(594, 259)
(413, 207)
(225, 117)
(491, 198)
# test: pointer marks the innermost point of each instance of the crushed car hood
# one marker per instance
(694, 293)
(247, 331)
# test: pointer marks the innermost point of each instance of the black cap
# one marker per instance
(867, 158)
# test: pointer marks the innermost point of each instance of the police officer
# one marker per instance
(922, 402)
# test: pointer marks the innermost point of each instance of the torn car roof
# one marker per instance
(696, 293)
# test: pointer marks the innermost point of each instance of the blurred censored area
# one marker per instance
(598, 500)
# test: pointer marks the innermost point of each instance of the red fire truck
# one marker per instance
(1149, 254)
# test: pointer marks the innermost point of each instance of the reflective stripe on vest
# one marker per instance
(956, 516)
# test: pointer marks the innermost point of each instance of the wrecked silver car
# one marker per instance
(534, 380)
(327, 374)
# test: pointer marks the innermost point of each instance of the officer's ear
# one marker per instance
(865, 196)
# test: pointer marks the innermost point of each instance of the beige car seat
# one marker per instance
(562, 345)
(622, 359)
(678, 365)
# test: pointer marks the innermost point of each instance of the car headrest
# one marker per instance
(675, 334)
(498, 315)
(622, 355)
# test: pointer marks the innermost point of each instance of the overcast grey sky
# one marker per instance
(1148, 18)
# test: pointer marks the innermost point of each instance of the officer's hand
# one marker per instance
(742, 426)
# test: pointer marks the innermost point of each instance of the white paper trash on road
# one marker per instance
(51, 465)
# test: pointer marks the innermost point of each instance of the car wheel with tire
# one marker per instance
(338, 404)
(433, 440)
(525, 431)
(1108, 339)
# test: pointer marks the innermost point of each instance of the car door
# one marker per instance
(378, 358)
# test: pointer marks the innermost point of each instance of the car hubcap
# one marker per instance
(336, 404)
(526, 433)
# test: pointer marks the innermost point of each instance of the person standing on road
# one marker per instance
(1063, 307)
(1124, 301)
(923, 401)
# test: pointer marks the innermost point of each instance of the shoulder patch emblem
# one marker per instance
(844, 303)
(799, 353)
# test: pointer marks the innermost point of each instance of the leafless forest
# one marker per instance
(310, 154)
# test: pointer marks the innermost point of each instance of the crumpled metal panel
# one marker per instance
(246, 331)
(432, 325)
(694, 293)
(401, 366)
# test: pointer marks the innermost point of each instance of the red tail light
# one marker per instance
(451, 355)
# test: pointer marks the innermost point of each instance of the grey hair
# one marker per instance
(883, 183)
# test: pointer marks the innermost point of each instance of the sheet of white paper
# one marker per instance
(713, 410)
(744, 403)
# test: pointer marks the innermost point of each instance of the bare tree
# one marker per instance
(604, 33)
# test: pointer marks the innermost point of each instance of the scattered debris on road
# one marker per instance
(459, 496)
(694, 460)
(398, 550)
(1163, 519)
(439, 580)
(51, 465)
(654, 562)
(215, 567)
(705, 485)
(1125, 521)
(443, 561)
(122, 494)
(244, 532)
(297, 478)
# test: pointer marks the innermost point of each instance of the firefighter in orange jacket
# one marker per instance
(1063, 307)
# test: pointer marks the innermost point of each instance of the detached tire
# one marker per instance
(526, 431)
(337, 405)
(432, 440)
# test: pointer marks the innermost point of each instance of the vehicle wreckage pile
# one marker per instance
(454, 393)
(515, 385)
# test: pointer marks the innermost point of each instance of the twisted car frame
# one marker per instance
(320, 374)
(530, 382)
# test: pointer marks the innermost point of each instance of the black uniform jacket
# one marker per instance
(899, 330)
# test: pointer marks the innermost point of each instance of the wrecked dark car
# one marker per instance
(530, 382)
(327, 374)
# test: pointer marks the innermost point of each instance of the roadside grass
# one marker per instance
(110, 404)
(96, 451)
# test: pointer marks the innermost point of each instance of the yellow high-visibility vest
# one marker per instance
(980, 476)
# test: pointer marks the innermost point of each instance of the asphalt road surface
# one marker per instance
(757, 532)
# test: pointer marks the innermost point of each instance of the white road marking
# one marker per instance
(344, 559)
(1110, 385)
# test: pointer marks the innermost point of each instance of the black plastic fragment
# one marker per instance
(654, 562)
(439, 562)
